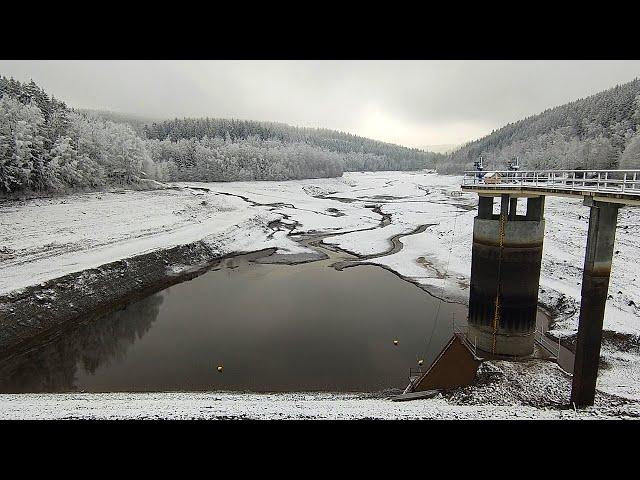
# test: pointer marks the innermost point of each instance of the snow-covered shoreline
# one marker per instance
(43, 239)
(273, 406)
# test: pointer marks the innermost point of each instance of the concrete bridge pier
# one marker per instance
(595, 284)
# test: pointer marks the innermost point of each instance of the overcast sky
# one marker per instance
(413, 103)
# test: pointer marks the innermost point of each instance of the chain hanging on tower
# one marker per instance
(496, 313)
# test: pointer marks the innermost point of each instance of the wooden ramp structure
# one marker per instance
(455, 366)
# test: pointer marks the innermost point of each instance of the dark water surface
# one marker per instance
(272, 327)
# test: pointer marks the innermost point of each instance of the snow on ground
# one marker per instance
(565, 242)
(229, 405)
(369, 242)
(415, 199)
(42, 239)
(313, 214)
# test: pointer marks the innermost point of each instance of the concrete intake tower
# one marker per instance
(505, 275)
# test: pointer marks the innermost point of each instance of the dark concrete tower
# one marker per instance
(505, 275)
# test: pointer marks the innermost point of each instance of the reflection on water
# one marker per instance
(273, 327)
(56, 366)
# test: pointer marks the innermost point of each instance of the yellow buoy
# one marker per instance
(220, 368)
(420, 362)
(395, 342)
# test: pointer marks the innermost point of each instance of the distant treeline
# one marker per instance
(47, 146)
(597, 132)
(358, 153)
(221, 160)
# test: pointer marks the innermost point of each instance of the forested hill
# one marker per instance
(598, 132)
(360, 153)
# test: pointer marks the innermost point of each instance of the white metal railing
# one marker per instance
(607, 181)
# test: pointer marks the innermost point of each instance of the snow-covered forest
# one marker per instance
(219, 159)
(598, 132)
(46, 146)
(356, 153)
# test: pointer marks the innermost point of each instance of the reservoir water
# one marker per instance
(304, 327)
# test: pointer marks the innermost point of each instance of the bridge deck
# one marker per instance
(616, 186)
